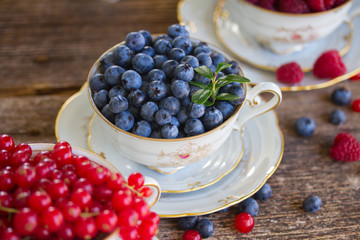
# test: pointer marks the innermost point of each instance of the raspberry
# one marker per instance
(289, 73)
(346, 148)
(356, 105)
(267, 4)
(329, 65)
(316, 5)
(293, 6)
(355, 77)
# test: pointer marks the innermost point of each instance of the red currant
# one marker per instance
(10, 234)
(70, 177)
(191, 235)
(58, 189)
(21, 198)
(85, 228)
(25, 176)
(147, 229)
(39, 201)
(18, 158)
(70, 211)
(7, 142)
(52, 219)
(66, 233)
(25, 148)
(4, 158)
(129, 233)
(356, 105)
(115, 181)
(244, 222)
(85, 184)
(42, 171)
(121, 199)
(146, 192)
(103, 193)
(41, 155)
(62, 155)
(96, 207)
(97, 175)
(81, 197)
(152, 216)
(62, 144)
(136, 180)
(6, 200)
(106, 221)
(355, 77)
(82, 168)
(78, 160)
(42, 234)
(141, 207)
(128, 218)
(42, 185)
(56, 174)
(26, 221)
(49, 162)
(6, 180)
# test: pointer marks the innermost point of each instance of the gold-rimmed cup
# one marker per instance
(180, 152)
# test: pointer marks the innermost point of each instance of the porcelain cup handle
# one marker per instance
(253, 99)
(156, 191)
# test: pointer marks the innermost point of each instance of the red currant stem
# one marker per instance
(87, 214)
(131, 188)
(8, 210)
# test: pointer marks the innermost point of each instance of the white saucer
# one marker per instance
(263, 152)
(206, 26)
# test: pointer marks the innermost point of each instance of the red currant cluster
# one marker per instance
(59, 195)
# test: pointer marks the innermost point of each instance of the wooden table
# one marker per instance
(47, 48)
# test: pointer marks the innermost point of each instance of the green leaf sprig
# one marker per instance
(211, 90)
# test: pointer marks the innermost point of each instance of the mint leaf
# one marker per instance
(235, 78)
(203, 86)
(221, 66)
(227, 97)
(201, 96)
(204, 71)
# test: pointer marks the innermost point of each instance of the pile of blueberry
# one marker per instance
(142, 86)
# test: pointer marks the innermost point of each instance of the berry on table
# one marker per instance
(312, 203)
(329, 65)
(191, 235)
(355, 77)
(290, 73)
(345, 148)
(250, 206)
(337, 117)
(341, 96)
(263, 193)
(205, 227)
(305, 126)
(187, 223)
(244, 222)
(356, 105)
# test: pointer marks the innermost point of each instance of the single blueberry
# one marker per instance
(162, 47)
(212, 118)
(234, 69)
(101, 98)
(162, 117)
(148, 51)
(337, 117)
(205, 227)
(182, 116)
(193, 127)
(201, 79)
(118, 104)
(169, 131)
(183, 43)
(97, 82)
(204, 48)
(187, 223)
(239, 91)
(263, 193)
(305, 127)
(106, 61)
(172, 104)
(147, 37)
(312, 203)
(142, 128)
(189, 59)
(159, 60)
(124, 120)
(164, 36)
(142, 63)
(176, 30)
(180, 89)
(136, 98)
(109, 115)
(217, 58)
(175, 122)
(204, 59)
(156, 75)
(135, 41)
(225, 108)
(184, 72)
(148, 111)
(176, 54)
(341, 96)
(122, 56)
(131, 80)
(195, 110)
(250, 206)
(117, 90)
(168, 68)
(113, 75)
(156, 90)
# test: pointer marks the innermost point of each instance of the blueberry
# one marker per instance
(124, 120)
(106, 61)
(169, 131)
(250, 206)
(131, 80)
(189, 59)
(212, 118)
(142, 63)
(205, 227)
(164, 36)
(204, 59)
(162, 47)
(136, 98)
(148, 111)
(337, 117)
(188, 223)
(217, 58)
(118, 104)
(239, 91)
(122, 56)
(195, 110)
(135, 41)
(183, 43)
(156, 90)
(171, 104)
(97, 82)
(156, 75)
(180, 89)
(225, 108)
(312, 203)
(305, 127)
(212, 68)
(176, 54)
(101, 98)
(176, 30)
(147, 37)
(159, 60)
(118, 90)
(193, 89)
(184, 72)
(162, 117)
(201, 79)
(202, 48)
(174, 121)
(182, 116)
(193, 127)
(113, 75)
(142, 128)
(234, 69)
(185, 102)
(341, 96)
(168, 68)
(109, 115)
(263, 193)
(148, 51)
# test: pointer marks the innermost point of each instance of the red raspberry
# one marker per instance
(355, 77)
(329, 65)
(356, 105)
(316, 5)
(290, 73)
(293, 6)
(267, 4)
(346, 148)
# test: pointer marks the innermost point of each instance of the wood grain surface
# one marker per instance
(47, 48)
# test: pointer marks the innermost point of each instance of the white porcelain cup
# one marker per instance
(285, 32)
